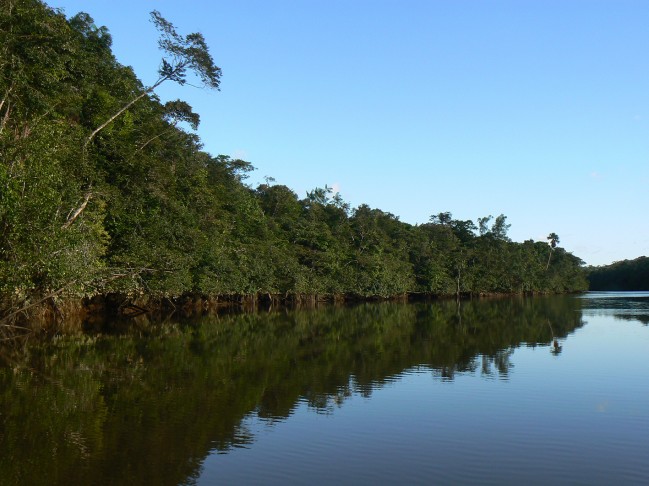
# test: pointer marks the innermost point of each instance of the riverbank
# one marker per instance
(52, 315)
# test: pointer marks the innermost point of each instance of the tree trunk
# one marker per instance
(77, 212)
(119, 112)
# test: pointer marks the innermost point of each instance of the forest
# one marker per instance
(105, 190)
(620, 276)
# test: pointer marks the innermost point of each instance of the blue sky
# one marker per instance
(535, 109)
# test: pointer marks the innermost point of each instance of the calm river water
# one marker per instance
(508, 391)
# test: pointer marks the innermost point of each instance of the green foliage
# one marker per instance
(624, 275)
(189, 52)
(143, 210)
(553, 238)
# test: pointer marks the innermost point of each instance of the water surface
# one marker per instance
(533, 390)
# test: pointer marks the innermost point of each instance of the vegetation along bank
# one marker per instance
(627, 275)
(105, 190)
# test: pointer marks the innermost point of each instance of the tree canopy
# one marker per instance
(624, 275)
(102, 191)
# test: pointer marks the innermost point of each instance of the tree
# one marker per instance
(442, 218)
(44, 76)
(182, 54)
(624, 275)
(500, 227)
(189, 52)
(154, 214)
(553, 239)
(482, 224)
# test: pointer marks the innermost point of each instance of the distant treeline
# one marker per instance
(624, 275)
(105, 189)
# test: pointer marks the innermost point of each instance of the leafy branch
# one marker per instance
(184, 53)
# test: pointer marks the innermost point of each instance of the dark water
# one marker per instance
(511, 391)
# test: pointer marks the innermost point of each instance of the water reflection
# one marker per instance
(556, 347)
(627, 306)
(148, 406)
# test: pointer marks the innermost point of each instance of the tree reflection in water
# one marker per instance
(148, 405)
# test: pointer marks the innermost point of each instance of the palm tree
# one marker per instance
(553, 239)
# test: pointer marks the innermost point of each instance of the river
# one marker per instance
(495, 391)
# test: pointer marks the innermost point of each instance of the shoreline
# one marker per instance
(53, 315)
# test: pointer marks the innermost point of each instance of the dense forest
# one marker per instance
(624, 275)
(105, 189)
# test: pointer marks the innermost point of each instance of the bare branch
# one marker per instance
(152, 139)
(6, 100)
(78, 211)
(6, 96)
(23, 309)
(118, 113)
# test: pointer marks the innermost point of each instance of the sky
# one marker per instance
(538, 110)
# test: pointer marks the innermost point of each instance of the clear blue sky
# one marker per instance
(535, 109)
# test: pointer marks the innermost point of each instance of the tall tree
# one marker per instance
(553, 240)
(183, 53)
